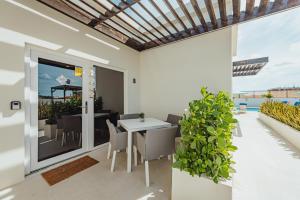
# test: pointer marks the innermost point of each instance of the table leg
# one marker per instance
(129, 151)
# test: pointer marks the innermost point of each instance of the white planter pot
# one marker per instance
(185, 186)
(287, 132)
(41, 124)
(50, 130)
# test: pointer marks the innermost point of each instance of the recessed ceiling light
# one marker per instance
(101, 41)
(86, 56)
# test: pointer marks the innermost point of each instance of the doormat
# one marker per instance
(65, 171)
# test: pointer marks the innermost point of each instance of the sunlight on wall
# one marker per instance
(19, 39)
(10, 77)
(16, 118)
(12, 158)
(101, 41)
(10, 197)
(5, 192)
(41, 15)
(86, 56)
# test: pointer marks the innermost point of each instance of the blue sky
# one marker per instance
(47, 79)
(278, 37)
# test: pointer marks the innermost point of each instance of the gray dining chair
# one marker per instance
(117, 142)
(174, 120)
(154, 144)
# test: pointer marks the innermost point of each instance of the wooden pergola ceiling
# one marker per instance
(249, 67)
(143, 24)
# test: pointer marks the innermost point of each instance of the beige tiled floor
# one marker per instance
(97, 182)
(267, 168)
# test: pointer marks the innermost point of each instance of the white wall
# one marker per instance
(17, 23)
(171, 76)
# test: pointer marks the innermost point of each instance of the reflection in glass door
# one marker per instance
(59, 108)
(108, 101)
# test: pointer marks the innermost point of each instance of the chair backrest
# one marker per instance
(60, 124)
(71, 123)
(173, 119)
(130, 116)
(160, 142)
(112, 132)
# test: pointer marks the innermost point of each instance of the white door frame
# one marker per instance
(32, 52)
(125, 101)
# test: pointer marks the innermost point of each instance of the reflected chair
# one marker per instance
(117, 142)
(72, 125)
(77, 128)
(60, 129)
(154, 144)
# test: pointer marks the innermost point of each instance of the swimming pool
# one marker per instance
(252, 109)
(255, 109)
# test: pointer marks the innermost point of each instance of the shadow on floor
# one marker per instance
(237, 131)
(295, 152)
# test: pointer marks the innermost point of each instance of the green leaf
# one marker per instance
(210, 129)
(193, 145)
(211, 138)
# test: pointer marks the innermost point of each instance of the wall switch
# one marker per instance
(15, 105)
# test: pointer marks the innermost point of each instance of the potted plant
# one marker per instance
(142, 117)
(203, 160)
(269, 96)
(43, 115)
(50, 126)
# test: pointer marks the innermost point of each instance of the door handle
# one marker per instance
(86, 107)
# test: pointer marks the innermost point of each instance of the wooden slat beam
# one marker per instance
(111, 32)
(187, 14)
(199, 14)
(138, 23)
(236, 7)
(97, 21)
(94, 22)
(293, 3)
(176, 15)
(211, 13)
(118, 29)
(162, 14)
(263, 7)
(117, 10)
(222, 9)
(146, 21)
(144, 7)
(124, 21)
(249, 7)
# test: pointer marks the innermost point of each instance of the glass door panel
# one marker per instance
(108, 101)
(59, 108)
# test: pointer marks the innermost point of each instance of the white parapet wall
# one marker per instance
(185, 186)
(287, 132)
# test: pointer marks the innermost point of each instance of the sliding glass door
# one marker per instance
(59, 108)
(108, 101)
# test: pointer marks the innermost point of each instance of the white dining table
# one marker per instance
(133, 125)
